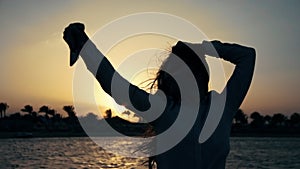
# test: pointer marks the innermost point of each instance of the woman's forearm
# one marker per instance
(92, 57)
(233, 53)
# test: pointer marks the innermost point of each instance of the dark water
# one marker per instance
(277, 153)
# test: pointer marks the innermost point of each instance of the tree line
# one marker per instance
(266, 125)
(49, 119)
(45, 119)
(258, 120)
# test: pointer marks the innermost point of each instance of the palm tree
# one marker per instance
(52, 112)
(72, 116)
(3, 107)
(27, 109)
(70, 110)
(108, 114)
(44, 109)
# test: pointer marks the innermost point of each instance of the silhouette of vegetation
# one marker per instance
(126, 113)
(48, 122)
(108, 114)
(295, 119)
(240, 118)
(3, 108)
(276, 125)
(44, 109)
(278, 120)
(257, 120)
(28, 109)
(70, 110)
(267, 119)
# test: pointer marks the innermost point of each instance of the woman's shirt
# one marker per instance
(188, 153)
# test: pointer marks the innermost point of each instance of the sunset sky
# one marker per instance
(34, 60)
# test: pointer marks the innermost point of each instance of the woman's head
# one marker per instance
(198, 67)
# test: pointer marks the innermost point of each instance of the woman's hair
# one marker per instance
(165, 82)
(199, 68)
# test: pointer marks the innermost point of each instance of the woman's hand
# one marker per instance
(75, 37)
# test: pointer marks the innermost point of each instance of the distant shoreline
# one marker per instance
(43, 127)
(263, 135)
(9, 135)
(6, 135)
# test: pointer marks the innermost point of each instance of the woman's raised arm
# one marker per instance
(111, 81)
(244, 60)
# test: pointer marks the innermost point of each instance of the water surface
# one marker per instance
(275, 153)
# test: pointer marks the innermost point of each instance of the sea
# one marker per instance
(83, 153)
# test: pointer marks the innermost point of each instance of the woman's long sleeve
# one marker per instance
(239, 83)
(112, 82)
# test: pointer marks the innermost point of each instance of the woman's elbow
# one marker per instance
(252, 53)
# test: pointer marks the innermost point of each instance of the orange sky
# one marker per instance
(34, 58)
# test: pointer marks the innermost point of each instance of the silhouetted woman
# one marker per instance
(188, 153)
